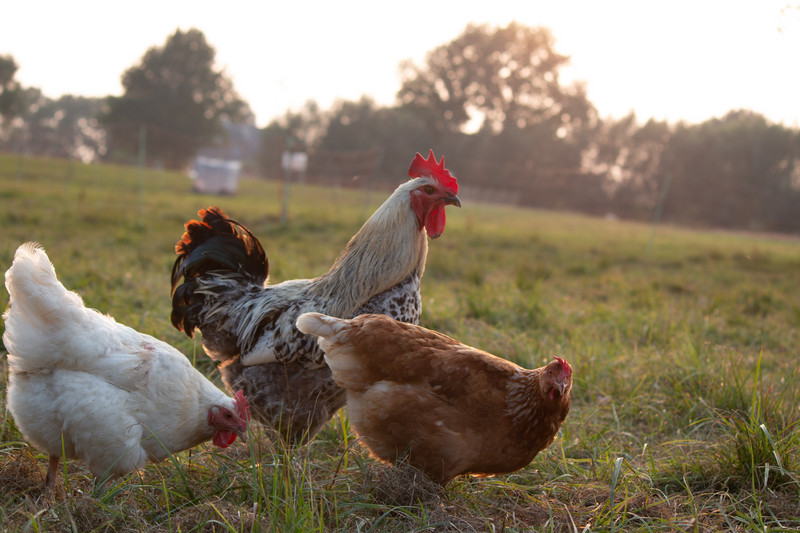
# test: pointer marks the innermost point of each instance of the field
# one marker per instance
(685, 345)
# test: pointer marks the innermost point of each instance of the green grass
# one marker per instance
(685, 347)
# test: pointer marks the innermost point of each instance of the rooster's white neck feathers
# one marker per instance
(377, 257)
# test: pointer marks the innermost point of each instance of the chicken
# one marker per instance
(451, 408)
(98, 391)
(249, 326)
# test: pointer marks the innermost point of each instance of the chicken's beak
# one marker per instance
(241, 432)
(562, 387)
(452, 200)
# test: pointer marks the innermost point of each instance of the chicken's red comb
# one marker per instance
(565, 367)
(242, 406)
(430, 168)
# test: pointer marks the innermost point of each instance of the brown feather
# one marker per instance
(452, 409)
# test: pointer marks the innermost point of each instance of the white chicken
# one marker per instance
(99, 391)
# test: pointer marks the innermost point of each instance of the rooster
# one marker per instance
(451, 408)
(219, 286)
(83, 385)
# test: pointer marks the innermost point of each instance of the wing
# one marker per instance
(378, 349)
(279, 340)
(135, 361)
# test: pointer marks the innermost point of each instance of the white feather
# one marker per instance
(105, 387)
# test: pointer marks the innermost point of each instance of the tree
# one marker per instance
(629, 156)
(65, 128)
(498, 78)
(178, 96)
(739, 171)
(392, 132)
(12, 100)
(294, 131)
(503, 83)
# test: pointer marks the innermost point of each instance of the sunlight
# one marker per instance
(681, 60)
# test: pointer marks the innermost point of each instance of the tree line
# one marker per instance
(490, 99)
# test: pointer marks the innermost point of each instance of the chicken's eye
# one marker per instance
(428, 189)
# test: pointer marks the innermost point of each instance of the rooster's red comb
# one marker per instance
(430, 168)
(565, 367)
(242, 406)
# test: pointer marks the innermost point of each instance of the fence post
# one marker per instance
(657, 215)
(141, 163)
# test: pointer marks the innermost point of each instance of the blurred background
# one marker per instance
(685, 112)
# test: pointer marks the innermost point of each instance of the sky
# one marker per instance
(678, 60)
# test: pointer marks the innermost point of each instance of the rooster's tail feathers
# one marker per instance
(213, 243)
(217, 242)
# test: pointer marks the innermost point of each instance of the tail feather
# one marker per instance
(327, 328)
(336, 338)
(40, 307)
(320, 325)
(218, 244)
(34, 287)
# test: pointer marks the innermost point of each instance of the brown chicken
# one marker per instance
(449, 408)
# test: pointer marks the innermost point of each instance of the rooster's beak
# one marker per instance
(241, 433)
(452, 200)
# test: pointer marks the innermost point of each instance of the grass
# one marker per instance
(685, 346)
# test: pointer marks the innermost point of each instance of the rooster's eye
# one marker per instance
(428, 189)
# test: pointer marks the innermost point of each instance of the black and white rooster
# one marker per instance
(220, 286)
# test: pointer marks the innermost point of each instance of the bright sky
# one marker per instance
(689, 60)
